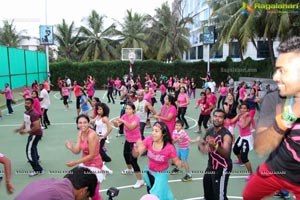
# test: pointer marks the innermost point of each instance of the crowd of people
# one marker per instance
(221, 108)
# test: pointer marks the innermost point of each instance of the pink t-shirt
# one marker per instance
(242, 93)
(76, 89)
(212, 99)
(244, 131)
(135, 134)
(164, 112)
(148, 97)
(176, 85)
(162, 89)
(223, 91)
(169, 82)
(159, 160)
(203, 107)
(90, 90)
(36, 105)
(84, 146)
(27, 93)
(65, 91)
(118, 83)
(184, 139)
(182, 100)
(8, 94)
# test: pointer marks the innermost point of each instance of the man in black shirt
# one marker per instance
(217, 143)
(278, 129)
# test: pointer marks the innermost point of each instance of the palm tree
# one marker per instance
(67, 36)
(9, 35)
(248, 27)
(133, 31)
(234, 26)
(96, 43)
(168, 33)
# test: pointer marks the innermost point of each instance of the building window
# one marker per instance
(200, 52)
(234, 50)
(216, 53)
(263, 49)
(193, 53)
(195, 38)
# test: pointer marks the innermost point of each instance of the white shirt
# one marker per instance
(140, 110)
(101, 128)
(68, 82)
(45, 103)
(212, 86)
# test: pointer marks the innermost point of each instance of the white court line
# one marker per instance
(104, 95)
(229, 197)
(173, 181)
(192, 119)
(56, 96)
(14, 106)
(54, 124)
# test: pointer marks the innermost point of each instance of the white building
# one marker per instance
(200, 51)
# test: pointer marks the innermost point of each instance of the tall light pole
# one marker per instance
(47, 47)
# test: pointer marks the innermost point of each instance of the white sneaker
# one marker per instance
(36, 173)
(139, 184)
(127, 171)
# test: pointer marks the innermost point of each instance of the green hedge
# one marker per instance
(102, 70)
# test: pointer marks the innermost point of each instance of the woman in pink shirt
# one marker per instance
(223, 93)
(90, 89)
(244, 142)
(132, 135)
(242, 92)
(204, 112)
(26, 93)
(168, 113)
(160, 150)
(35, 86)
(65, 90)
(36, 103)
(182, 103)
(163, 92)
(88, 143)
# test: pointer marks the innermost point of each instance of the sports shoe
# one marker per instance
(139, 184)
(237, 162)
(36, 173)
(198, 131)
(119, 135)
(175, 171)
(282, 194)
(186, 178)
(127, 171)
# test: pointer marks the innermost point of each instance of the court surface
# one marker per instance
(54, 154)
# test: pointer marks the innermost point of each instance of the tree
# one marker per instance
(258, 24)
(9, 35)
(67, 36)
(169, 33)
(96, 43)
(133, 31)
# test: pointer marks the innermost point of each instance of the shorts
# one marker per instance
(183, 154)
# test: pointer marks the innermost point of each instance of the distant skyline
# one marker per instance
(29, 14)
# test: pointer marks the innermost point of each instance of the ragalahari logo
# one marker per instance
(246, 8)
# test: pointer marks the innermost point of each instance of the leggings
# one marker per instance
(129, 159)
